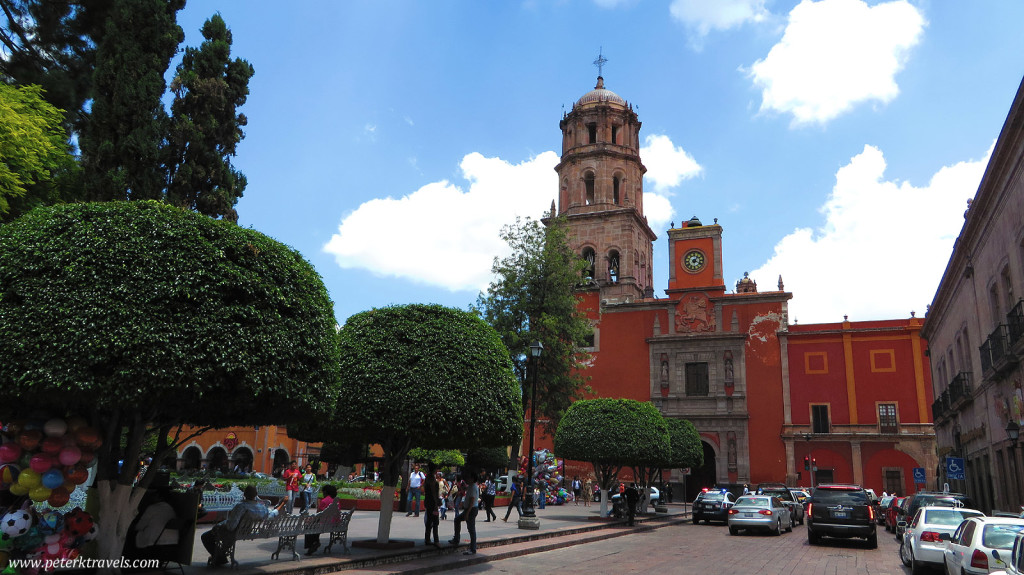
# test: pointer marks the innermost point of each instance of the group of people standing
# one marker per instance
(299, 486)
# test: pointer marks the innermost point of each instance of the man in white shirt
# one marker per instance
(214, 540)
(416, 478)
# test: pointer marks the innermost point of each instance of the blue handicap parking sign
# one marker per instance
(919, 475)
(955, 468)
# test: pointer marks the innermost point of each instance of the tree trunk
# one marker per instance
(118, 506)
(387, 498)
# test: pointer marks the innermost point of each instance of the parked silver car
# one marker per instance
(759, 512)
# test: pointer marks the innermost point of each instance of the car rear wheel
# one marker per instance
(778, 528)
(873, 541)
(905, 555)
(812, 537)
(916, 568)
(696, 521)
(733, 531)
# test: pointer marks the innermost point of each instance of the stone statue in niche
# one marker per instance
(731, 442)
(728, 367)
(664, 368)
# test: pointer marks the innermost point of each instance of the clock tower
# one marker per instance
(601, 195)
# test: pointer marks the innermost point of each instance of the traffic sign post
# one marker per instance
(955, 468)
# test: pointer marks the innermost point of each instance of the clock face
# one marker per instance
(694, 261)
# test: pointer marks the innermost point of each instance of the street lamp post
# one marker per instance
(529, 519)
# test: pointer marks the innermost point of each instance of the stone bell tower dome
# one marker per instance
(601, 194)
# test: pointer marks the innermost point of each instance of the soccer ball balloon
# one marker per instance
(16, 523)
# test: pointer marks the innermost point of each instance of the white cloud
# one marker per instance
(704, 15)
(442, 234)
(884, 245)
(836, 54)
(447, 235)
(667, 166)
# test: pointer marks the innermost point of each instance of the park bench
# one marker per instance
(286, 528)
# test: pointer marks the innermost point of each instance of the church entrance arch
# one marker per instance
(703, 476)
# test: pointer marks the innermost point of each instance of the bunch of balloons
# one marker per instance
(547, 470)
(43, 460)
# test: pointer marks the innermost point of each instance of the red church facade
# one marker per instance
(756, 388)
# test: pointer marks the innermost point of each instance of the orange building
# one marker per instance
(260, 449)
(725, 360)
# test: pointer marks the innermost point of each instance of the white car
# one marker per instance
(982, 545)
(924, 538)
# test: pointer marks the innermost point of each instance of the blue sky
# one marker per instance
(836, 141)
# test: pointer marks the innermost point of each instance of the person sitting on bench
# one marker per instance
(217, 539)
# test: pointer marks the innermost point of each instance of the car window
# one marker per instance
(713, 496)
(844, 496)
(956, 534)
(753, 501)
(915, 519)
(968, 534)
(949, 517)
(1000, 536)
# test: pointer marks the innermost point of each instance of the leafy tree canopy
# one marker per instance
(687, 450)
(532, 299)
(33, 150)
(439, 457)
(146, 308)
(611, 434)
(487, 457)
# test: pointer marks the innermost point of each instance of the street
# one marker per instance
(710, 550)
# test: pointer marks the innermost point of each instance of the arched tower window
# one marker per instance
(613, 266)
(588, 183)
(615, 190)
(589, 257)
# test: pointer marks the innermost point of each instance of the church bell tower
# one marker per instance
(601, 194)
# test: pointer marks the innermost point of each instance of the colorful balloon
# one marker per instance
(18, 489)
(55, 427)
(76, 422)
(29, 439)
(53, 479)
(29, 478)
(76, 474)
(69, 455)
(40, 462)
(39, 493)
(9, 452)
(59, 497)
(52, 445)
(87, 438)
(8, 475)
(87, 459)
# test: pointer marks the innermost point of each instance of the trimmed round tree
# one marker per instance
(611, 434)
(425, 376)
(145, 317)
(687, 450)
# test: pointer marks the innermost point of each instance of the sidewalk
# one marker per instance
(560, 526)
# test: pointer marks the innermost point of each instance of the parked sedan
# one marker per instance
(759, 512)
(924, 538)
(981, 545)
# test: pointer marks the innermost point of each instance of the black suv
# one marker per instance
(789, 499)
(840, 511)
(912, 503)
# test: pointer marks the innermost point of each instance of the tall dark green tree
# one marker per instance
(53, 44)
(206, 127)
(532, 298)
(122, 144)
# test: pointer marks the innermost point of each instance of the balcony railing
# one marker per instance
(1015, 322)
(960, 387)
(941, 406)
(996, 349)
